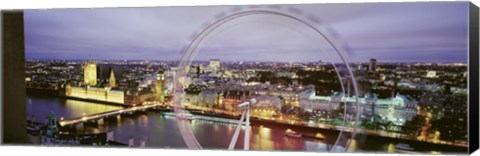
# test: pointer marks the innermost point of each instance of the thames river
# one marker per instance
(160, 131)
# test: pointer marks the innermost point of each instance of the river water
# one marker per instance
(160, 131)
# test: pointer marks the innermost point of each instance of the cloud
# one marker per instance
(372, 30)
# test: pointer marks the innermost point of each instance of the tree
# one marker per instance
(388, 125)
(414, 125)
(451, 128)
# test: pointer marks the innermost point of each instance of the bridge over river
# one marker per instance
(107, 114)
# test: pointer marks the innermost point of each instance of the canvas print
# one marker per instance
(365, 77)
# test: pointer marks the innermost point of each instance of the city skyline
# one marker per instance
(102, 61)
(122, 77)
(407, 33)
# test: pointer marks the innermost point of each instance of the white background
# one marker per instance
(64, 151)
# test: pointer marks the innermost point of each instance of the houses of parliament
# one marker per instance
(106, 90)
(92, 91)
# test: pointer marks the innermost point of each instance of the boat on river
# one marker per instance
(404, 146)
(291, 133)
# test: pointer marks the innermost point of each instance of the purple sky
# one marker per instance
(413, 32)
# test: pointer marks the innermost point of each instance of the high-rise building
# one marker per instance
(159, 83)
(372, 67)
(214, 64)
(90, 73)
(111, 80)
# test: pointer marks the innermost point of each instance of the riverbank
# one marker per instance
(370, 142)
(67, 137)
(360, 136)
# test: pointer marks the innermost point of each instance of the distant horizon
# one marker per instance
(367, 61)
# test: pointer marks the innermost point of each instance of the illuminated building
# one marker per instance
(396, 109)
(266, 106)
(310, 102)
(191, 99)
(431, 74)
(95, 93)
(149, 90)
(231, 98)
(289, 96)
(90, 73)
(211, 98)
(111, 80)
(214, 65)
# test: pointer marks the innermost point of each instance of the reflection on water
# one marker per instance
(261, 141)
(218, 136)
(144, 121)
(40, 107)
(391, 148)
(155, 130)
(353, 146)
